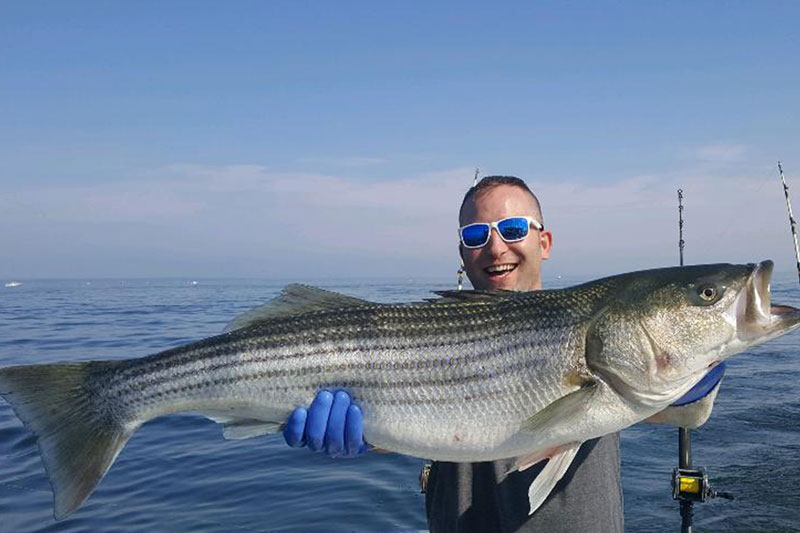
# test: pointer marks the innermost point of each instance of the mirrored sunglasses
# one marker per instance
(511, 229)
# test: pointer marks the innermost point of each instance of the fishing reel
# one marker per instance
(692, 485)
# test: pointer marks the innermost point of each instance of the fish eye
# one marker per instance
(707, 292)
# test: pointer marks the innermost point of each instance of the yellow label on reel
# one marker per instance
(690, 484)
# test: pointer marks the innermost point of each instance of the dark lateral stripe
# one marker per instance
(487, 323)
(155, 379)
(207, 362)
(363, 384)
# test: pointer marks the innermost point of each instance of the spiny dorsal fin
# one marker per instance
(294, 300)
(472, 296)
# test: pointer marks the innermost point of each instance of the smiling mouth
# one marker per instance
(497, 271)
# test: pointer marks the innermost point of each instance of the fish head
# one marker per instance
(665, 329)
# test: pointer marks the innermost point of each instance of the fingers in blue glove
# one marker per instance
(317, 422)
(703, 387)
(334, 435)
(332, 424)
(354, 432)
(295, 429)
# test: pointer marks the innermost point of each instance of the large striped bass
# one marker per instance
(473, 376)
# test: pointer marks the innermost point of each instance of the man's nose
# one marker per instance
(496, 244)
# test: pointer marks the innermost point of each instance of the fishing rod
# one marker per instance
(681, 479)
(426, 468)
(681, 242)
(461, 269)
(690, 484)
(792, 223)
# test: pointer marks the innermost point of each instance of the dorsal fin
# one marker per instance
(485, 296)
(294, 300)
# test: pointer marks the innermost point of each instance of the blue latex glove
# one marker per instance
(703, 387)
(332, 424)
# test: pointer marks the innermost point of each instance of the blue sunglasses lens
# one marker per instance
(513, 229)
(475, 235)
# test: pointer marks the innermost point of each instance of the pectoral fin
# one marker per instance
(565, 410)
(552, 472)
(561, 410)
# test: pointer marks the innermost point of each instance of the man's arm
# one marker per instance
(693, 409)
(332, 425)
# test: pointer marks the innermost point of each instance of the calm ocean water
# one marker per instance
(178, 474)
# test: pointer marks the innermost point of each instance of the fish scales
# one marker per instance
(416, 370)
(407, 379)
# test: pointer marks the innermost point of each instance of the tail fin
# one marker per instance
(78, 440)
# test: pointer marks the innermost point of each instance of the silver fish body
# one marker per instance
(475, 376)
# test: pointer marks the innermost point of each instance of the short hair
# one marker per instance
(489, 182)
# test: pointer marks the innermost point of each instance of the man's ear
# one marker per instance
(546, 242)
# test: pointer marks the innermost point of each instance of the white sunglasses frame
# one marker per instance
(531, 222)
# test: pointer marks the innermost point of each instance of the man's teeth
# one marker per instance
(496, 269)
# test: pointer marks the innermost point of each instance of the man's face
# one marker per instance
(499, 264)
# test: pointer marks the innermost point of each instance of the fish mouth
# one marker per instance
(757, 318)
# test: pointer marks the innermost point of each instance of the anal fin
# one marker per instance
(236, 428)
(246, 429)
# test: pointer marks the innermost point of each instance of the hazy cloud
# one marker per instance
(349, 162)
(248, 220)
(361, 161)
(721, 152)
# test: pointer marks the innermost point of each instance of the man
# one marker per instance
(481, 496)
(484, 496)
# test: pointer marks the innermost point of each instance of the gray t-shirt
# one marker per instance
(479, 497)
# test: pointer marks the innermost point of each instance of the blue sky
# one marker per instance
(314, 139)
